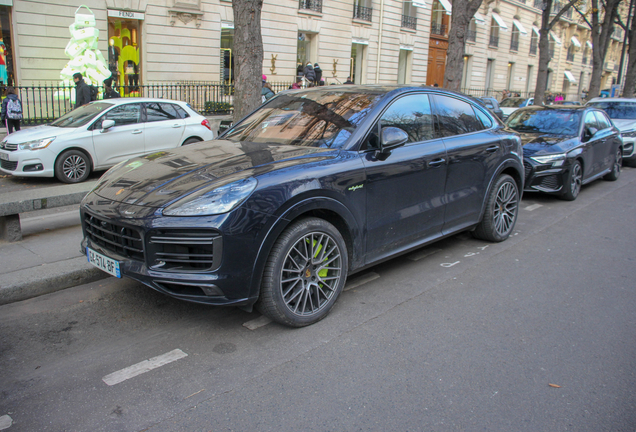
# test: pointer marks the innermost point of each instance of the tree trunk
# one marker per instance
(630, 75)
(248, 56)
(544, 55)
(600, 41)
(463, 12)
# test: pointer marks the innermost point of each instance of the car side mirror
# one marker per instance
(107, 124)
(392, 137)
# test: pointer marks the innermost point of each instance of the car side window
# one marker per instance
(485, 120)
(124, 114)
(590, 121)
(160, 112)
(410, 113)
(603, 122)
(182, 113)
(456, 117)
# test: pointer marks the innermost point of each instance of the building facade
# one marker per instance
(370, 41)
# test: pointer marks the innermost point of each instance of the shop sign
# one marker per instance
(125, 14)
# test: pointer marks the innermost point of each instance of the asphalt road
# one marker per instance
(533, 334)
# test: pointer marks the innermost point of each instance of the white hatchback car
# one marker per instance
(622, 111)
(99, 135)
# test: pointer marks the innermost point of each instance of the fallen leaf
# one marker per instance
(554, 385)
(82, 301)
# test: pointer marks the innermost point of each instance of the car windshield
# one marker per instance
(324, 118)
(82, 115)
(512, 102)
(546, 121)
(617, 110)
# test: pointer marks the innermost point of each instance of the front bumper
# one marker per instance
(546, 178)
(26, 163)
(207, 260)
(629, 147)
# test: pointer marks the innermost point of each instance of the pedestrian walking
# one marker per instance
(348, 81)
(11, 111)
(82, 91)
(310, 74)
(266, 91)
(318, 72)
(109, 91)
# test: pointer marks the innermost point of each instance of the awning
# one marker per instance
(519, 27)
(227, 25)
(570, 77)
(576, 42)
(588, 44)
(555, 37)
(448, 7)
(536, 31)
(419, 3)
(500, 22)
(479, 18)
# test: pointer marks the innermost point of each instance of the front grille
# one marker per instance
(550, 182)
(184, 250)
(113, 237)
(527, 169)
(8, 165)
(9, 147)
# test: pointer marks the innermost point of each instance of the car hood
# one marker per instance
(546, 143)
(157, 179)
(36, 133)
(624, 124)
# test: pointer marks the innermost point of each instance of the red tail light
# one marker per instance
(206, 123)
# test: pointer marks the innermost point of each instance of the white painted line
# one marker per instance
(447, 265)
(361, 280)
(143, 367)
(423, 254)
(483, 247)
(5, 422)
(469, 254)
(533, 207)
(258, 322)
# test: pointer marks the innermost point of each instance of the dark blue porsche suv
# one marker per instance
(311, 187)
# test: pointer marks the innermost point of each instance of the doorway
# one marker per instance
(357, 65)
(124, 54)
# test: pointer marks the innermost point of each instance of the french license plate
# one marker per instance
(4, 156)
(102, 262)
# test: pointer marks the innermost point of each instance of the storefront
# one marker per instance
(7, 70)
(124, 50)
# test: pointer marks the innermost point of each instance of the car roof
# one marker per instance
(388, 89)
(559, 107)
(119, 101)
(600, 99)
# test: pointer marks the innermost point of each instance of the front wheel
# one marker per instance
(501, 211)
(305, 273)
(616, 168)
(72, 166)
(573, 182)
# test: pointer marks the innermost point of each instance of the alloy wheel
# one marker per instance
(311, 273)
(618, 162)
(505, 210)
(74, 167)
(576, 179)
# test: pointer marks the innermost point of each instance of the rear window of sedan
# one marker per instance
(82, 115)
(617, 110)
(311, 118)
(547, 121)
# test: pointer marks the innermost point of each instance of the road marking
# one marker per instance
(469, 254)
(5, 422)
(258, 322)
(423, 254)
(143, 367)
(483, 247)
(533, 207)
(361, 280)
(447, 265)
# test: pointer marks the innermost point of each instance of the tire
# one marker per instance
(573, 182)
(72, 166)
(297, 290)
(616, 167)
(502, 209)
(191, 141)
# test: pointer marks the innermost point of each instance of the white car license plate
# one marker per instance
(4, 156)
(102, 262)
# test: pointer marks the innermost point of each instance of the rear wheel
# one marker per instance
(305, 273)
(191, 141)
(501, 211)
(72, 166)
(616, 167)
(573, 182)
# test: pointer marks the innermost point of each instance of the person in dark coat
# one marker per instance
(109, 91)
(7, 119)
(318, 72)
(310, 75)
(82, 91)
(266, 91)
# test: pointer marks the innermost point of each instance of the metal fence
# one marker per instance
(43, 104)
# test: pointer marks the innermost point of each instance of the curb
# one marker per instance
(47, 278)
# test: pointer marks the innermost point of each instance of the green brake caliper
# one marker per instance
(324, 272)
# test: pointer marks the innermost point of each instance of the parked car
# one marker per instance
(622, 111)
(312, 186)
(99, 135)
(492, 104)
(569, 103)
(512, 104)
(567, 147)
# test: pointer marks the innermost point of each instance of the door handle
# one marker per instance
(436, 162)
(492, 149)
(136, 132)
(176, 126)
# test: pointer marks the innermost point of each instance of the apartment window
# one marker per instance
(534, 40)
(312, 5)
(510, 83)
(362, 10)
(439, 18)
(514, 39)
(490, 69)
(494, 33)
(471, 33)
(570, 56)
(408, 16)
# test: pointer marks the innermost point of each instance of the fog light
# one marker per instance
(34, 167)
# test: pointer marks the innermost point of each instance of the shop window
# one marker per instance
(227, 58)
(7, 71)
(124, 56)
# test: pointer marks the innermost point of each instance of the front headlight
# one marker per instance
(211, 202)
(629, 134)
(37, 144)
(548, 158)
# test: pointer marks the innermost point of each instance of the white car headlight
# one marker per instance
(210, 202)
(36, 144)
(549, 158)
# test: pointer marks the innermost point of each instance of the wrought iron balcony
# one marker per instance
(439, 29)
(471, 35)
(494, 41)
(409, 22)
(514, 45)
(312, 5)
(362, 13)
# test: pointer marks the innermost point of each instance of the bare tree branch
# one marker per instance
(563, 10)
(582, 16)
